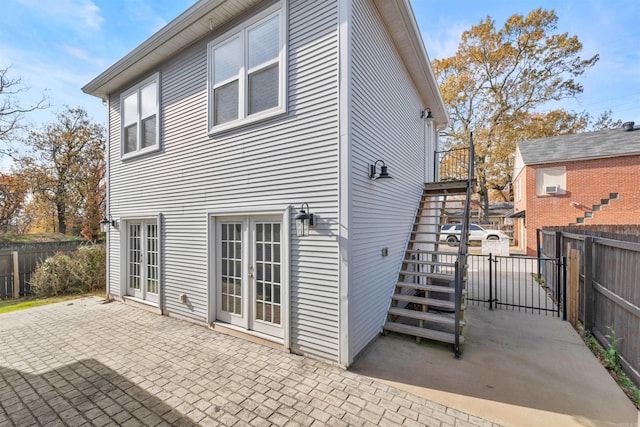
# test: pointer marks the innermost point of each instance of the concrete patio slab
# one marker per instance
(85, 363)
(518, 369)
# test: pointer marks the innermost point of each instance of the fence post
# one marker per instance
(589, 296)
(490, 282)
(574, 287)
(564, 288)
(558, 257)
(16, 275)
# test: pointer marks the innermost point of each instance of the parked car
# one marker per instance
(451, 233)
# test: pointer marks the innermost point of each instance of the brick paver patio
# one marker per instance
(87, 363)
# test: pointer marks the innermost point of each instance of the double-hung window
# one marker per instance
(140, 124)
(247, 71)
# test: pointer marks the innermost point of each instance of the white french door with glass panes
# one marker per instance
(249, 273)
(142, 260)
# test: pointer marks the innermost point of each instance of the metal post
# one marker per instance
(558, 256)
(458, 295)
(490, 281)
(564, 288)
(539, 250)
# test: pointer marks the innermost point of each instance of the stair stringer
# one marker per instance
(427, 270)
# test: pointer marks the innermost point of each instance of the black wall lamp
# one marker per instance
(383, 175)
(426, 114)
(304, 219)
(106, 222)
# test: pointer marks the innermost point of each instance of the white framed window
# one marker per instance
(517, 190)
(247, 71)
(550, 181)
(139, 113)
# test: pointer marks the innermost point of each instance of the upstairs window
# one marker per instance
(551, 181)
(247, 72)
(139, 107)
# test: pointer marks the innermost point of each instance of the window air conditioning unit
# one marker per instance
(551, 189)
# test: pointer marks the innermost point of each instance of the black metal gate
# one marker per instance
(518, 283)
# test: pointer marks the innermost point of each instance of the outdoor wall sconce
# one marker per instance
(383, 175)
(304, 219)
(426, 114)
(106, 222)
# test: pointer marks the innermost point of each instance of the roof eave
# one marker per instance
(126, 68)
(397, 15)
(410, 45)
(579, 159)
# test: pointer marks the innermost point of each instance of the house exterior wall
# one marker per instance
(283, 161)
(587, 183)
(385, 125)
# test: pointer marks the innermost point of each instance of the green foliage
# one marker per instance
(611, 354)
(81, 272)
(611, 361)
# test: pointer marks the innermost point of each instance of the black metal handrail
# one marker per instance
(461, 260)
(453, 164)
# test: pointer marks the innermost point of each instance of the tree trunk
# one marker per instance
(62, 220)
(484, 206)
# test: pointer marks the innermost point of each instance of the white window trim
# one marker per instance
(124, 257)
(241, 31)
(561, 182)
(283, 211)
(155, 78)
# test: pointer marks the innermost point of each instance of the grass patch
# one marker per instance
(7, 306)
(610, 360)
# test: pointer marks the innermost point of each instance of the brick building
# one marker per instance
(587, 178)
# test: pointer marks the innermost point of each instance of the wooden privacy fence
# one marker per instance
(19, 261)
(607, 287)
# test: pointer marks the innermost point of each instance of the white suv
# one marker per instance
(451, 233)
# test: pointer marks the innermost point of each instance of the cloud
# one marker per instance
(83, 55)
(61, 82)
(84, 13)
(442, 40)
(144, 11)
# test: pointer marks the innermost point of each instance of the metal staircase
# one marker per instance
(429, 297)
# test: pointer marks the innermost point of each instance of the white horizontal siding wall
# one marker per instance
(385, 125)
(113, 237)
(287, 160)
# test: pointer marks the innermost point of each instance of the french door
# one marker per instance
(249, 277)
(143, 260)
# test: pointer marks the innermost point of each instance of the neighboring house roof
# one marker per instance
(581, 146)
(207, 15)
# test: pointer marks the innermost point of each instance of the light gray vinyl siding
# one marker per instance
(113, 237)
(385, 125)
(282, 161)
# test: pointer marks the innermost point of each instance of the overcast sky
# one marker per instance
(57, 46)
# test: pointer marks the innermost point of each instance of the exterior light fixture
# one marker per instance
(426, 114)
(106, 222)
(304, 219)
(383, 175)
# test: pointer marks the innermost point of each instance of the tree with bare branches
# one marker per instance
(12, 110)
(65, 166)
